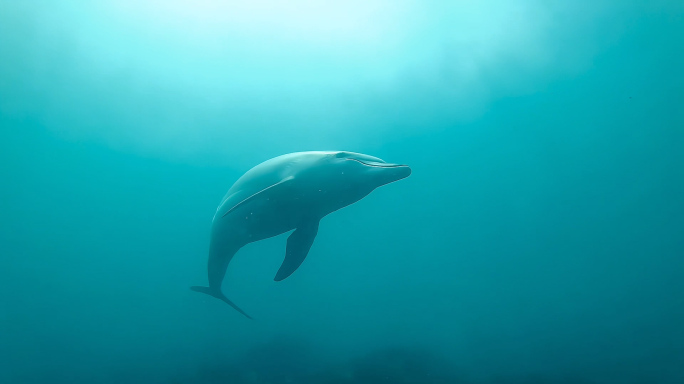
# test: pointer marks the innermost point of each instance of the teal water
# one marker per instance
(540, 238)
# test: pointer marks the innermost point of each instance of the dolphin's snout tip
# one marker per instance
(405, 171)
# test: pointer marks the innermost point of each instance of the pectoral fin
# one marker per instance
(298, 245)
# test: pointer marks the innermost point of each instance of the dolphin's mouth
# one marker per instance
(378, 164)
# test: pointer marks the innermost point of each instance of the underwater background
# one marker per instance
(540, 238)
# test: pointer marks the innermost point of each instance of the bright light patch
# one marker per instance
(251, 45)
(328, 27)
(319, 22)
(214, 76)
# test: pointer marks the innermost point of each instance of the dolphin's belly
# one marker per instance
(260, 220)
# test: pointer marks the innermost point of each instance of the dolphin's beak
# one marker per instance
(390, 173)
(403, 170)
(379, 164)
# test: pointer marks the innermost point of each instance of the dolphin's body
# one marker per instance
(292, 191)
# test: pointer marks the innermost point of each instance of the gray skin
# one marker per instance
(293, 191)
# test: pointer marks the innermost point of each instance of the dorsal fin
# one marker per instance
(252, 197)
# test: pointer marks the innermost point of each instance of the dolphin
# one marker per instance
(292, 191)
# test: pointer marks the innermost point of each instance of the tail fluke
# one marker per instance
(219, 296)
